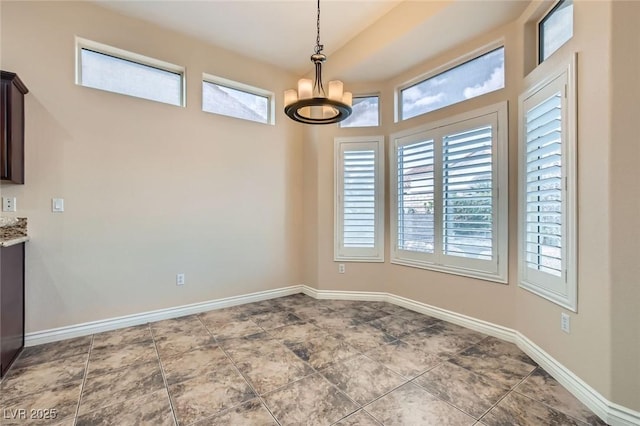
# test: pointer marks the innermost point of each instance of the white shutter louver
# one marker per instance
(543, 225)
(467, 194)
(359, 199)
(416, 197)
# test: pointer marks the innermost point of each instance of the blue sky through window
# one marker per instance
(468, 80)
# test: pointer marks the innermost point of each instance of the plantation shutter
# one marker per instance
(543, 203)
(359, 199)
(467, 194)
(449, 200)
(416, 196)
(547, 225)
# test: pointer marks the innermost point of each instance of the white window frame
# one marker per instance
(83, 43)
(539, 35)
(495, 270)
(561, 290)
(231, 84)
(353, 254)
(468, 57)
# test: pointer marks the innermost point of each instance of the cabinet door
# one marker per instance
(11, 304)
(4, 127)
(12, 119)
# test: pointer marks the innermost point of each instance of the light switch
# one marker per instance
(57, 204)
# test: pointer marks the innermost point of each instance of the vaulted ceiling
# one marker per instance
(389, 35)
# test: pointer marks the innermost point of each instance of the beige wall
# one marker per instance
(625, 204)
(150, 190)
(587, 350)
(592, 350)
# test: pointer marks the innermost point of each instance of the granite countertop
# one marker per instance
(13, 230)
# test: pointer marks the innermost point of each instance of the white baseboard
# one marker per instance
(88, 328)
(613, 414)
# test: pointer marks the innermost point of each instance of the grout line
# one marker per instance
(505, 395)
(84, 381)
(164, 376)
(544, 403)
(246, 379)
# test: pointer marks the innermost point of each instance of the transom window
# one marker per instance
(555, 29)
(475, 77)
(449, 195)
(366, 112)
(115, 70)
(233, 99)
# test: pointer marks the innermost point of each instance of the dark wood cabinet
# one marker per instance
(12, 128)
(11, 304)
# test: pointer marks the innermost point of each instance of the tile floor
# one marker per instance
(289, 361)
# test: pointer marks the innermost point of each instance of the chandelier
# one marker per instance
(310, 103)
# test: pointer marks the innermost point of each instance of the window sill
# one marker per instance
(469, 273)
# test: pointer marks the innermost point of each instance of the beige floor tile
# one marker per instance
(404, 359)
(40, 377)
(109, 358)
(516, 409)
(248, 346)
(411, 405)
(206, 395)
(172, 344)
(503, 369)
(47, 407)
(269, 371)
(541, 387)
(359, 418)
(271, 320)
(53, 351)
(323, 351)
(364, 337)
(495, 347)
(234, 329)
(220, 316)
(472, 393)
(152, 409)
(443, 338)
(186, 323)
(128, 383)
(123, 336)
(311, 312)
(310, 401)
(193, 364)
(398, 326)
(295, 333)
(362, 379)
(252, 413)
(333, 322)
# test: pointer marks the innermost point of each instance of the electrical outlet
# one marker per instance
(341, 268)
(180, 279)
(9, 204)
(565, 322)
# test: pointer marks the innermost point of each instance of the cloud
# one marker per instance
(428, 100)
(495, 82)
